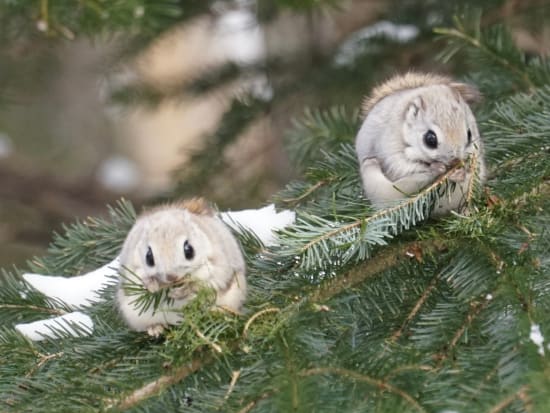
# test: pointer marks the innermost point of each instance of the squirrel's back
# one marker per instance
(412, 80)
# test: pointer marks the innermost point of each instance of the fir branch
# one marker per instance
(334, 172)
(253, 403)
(395, 336)
(156, 386)
(385, 259)
(320, 130)
(318, 241)
(495, 44)
(377, 383)
(475, 309)
(234, 377)
(47, 310)
(43, 359)
(88, 243)
(520, 394)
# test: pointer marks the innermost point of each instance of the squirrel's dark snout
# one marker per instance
(171, 278)
(454, 162)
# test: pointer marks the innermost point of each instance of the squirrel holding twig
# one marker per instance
(418, 127)
(178, 248)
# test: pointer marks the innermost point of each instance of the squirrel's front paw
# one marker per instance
(181, 292)
(151, 284)
(458, 175)
(438, 168)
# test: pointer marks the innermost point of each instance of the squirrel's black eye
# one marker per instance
(149, 258)
(188, 250)
(430, 139)
(469, 136)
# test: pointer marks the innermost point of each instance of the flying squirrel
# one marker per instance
(417, 127)
(179, 246)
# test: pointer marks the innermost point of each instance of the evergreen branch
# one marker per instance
(384, 260)
(253, 403)
(335, 172)
(413, 367)
(478, 44)
(395, 336)
(54, 311)
(307, 193)
(380, 384)
(409, 202)
(503, 404)
(43, 358)
(380, 263)
(155, 387)
(321, 131)
(495, 44)
(215, 347)
(476, 308)
(320, 240)
(234, 377)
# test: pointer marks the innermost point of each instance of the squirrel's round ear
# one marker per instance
(469, 93)
(414, 107)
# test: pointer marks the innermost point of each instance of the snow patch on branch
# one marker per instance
(537, 338)
(262, 222)
(77, 324)
(357, 44)
(78, 291)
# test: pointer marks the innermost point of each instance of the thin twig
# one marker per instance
(259, 314)
(474, 312)
(472, 41)
(44, 358)
(476, 309)
(385, 259)
(253, 403)
(217, 348)
(520, 394)
(54, 311)
(411, 367)
(395, 336)
(307, 193)
(234, 378)
(156, 386)
(367, 379)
